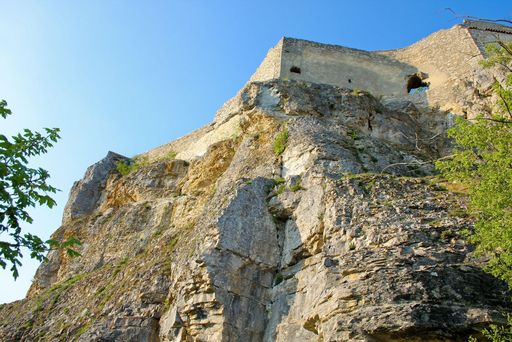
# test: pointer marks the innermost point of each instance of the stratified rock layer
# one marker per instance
(345, 236)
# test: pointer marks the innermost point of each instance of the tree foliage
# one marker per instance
(23, 187)
(482, 160)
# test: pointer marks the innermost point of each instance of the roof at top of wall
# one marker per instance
(487, 26)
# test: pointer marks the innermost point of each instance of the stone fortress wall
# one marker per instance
(486, 32)
(343, 67)
(297, 59)
(270, 68)
(448, 61)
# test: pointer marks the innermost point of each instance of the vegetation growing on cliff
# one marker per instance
(483, 162)
(280, 142)
(134, 164)
(139, 161)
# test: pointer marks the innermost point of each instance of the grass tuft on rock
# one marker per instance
(280, 142)
(127, 167)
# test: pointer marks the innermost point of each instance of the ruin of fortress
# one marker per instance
(439, 61)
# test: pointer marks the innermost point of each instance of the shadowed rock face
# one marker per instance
(344, 236)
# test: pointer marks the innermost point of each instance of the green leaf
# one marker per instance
(23, 187)
(482, 160)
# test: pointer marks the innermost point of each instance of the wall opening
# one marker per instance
(295, 69)
(349, 80)
(415, 84)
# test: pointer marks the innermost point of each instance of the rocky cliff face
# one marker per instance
(304, 212)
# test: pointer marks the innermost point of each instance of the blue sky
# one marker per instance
(128, 76)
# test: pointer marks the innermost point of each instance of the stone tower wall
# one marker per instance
(447, 60)
(450, 58)
(270, 68)
(487, 32)
(343, 67)
(482, 38)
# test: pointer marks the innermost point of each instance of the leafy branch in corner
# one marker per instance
(23, 187)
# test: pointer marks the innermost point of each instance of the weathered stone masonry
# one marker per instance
(447, 61)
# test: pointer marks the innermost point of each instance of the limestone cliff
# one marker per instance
(304, 212)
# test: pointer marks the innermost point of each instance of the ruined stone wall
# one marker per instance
(270, 68)
(482, 38)
(343, 67)
(447, 60)
(450, 58)
(484, 32)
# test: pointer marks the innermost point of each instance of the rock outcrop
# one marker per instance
(304, 212)
(86, 194)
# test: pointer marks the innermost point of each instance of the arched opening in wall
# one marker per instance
(415, 84)
(295, 69)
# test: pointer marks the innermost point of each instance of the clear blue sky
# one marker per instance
(128, 76)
